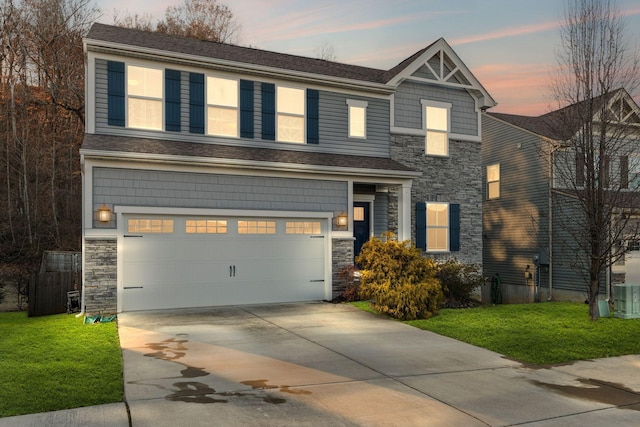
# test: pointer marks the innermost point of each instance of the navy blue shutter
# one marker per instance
(268, 111)
(172, 100)
(421, 226)
(454, 227)
(246, 109)
(115, 93)
(312, 116)
(196, 103)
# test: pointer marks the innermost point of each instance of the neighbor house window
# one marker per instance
(493, 181)
(206, 226)
(302, 227)
(357, 118)
(633, 174)
(437, 227)
(145, 225)
(222, 107)
(256, 227)
(144, 97)
(290, 114)
(436, 123)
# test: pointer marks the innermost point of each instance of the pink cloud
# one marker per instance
(508, 32)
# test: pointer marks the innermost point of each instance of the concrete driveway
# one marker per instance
(320, 364)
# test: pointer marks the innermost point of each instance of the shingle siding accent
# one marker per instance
(408, 109)
(100, 277)
(193, 190)
(453, 179)
(380, 214)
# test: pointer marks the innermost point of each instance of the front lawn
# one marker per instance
(57, 362)
(540, 334)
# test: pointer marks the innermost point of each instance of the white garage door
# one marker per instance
(177, 262)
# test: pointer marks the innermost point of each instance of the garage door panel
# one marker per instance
(180, 269)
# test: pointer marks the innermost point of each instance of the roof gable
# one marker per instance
(439, 64)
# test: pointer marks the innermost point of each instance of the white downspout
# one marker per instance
(551, 151)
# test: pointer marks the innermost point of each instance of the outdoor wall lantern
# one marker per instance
(342, 219)
(104, 213)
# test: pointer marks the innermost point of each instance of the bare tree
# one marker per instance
(325, 51)
(142, 22)
(201, 19)
(599, 126)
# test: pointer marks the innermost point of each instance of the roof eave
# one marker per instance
(247, 164)
(101, 46)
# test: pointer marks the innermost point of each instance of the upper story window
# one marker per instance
(144, 97)
(493, 181)
(357, 118)
(290, 114)
(437, 127)
(437, 227)
(222, 107)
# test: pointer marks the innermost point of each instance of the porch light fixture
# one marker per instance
(104, 213)
(342, 219)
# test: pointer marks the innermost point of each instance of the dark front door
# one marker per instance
(361, 225)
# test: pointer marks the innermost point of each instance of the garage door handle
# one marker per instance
(133, 235)
(133, 287)
(317, 237)
(232, 271)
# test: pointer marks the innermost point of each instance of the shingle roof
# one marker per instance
(228, 52)
(560, 124)
(125, 144)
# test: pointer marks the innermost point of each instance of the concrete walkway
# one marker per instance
(319, 364)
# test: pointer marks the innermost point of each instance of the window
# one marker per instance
(633, 172)
(357, 119)
(206, 226)
(256, 227)
(290, 114)
(144, 225)
(144, 97)
(436, 122)
(302, 227)
(437, 227)
(493, 181)
(358, 213)
(222, 107)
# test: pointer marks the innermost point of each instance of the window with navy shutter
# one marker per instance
(312, 116)
(268, 111)
(246, 109)
(172, 100)
(421, 226)
(196, 103)
(115, 93)
(454, 227)
(434, 222)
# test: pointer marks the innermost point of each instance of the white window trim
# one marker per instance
(499, 181)
(304, 115)
(448, 227)
(207, 105)
(148, 98)
(357, 104)
(437, 104)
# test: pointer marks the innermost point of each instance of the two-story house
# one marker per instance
(216, 174)
(530, 213)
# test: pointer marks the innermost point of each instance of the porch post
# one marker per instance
(404, 212)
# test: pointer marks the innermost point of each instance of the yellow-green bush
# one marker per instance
(398, 280)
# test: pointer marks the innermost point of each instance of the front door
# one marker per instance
(361, 225)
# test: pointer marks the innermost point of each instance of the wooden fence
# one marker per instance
(60, 273)
(48, 291)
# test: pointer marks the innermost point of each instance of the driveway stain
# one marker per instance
(192, 372)
(194, 392)
(262, 385)
(171, 349)
(598, 391)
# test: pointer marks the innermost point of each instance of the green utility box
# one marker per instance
(627, 301)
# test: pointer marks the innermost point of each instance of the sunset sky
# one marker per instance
(509, 45)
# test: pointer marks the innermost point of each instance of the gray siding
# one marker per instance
(333, 122)
(516, 224)
(199, 190)
(408, 108)
(380, 214)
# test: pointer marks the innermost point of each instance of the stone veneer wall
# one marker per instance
(454, 179)
(342, 256)
(100, 277)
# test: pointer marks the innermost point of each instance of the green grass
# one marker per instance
(56, 362)
(539, 334)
